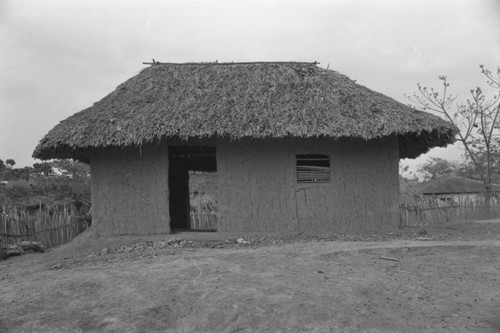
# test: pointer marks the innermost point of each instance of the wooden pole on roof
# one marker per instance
(230, 63)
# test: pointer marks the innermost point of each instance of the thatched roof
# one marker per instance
(242, 100)
(454, 185)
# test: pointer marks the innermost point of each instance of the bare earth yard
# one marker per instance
(450, 283)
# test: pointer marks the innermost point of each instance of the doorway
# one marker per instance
(183, 160)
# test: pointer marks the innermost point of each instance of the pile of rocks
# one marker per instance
(177, 242)
(148, 245)
(255, 241)
(9, 250)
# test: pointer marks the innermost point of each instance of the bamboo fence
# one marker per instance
(203, 221)
(422, 210)
(50, 227)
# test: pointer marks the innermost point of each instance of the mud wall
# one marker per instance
(258, 191)
(130, 191)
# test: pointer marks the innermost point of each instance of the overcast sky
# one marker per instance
(58, 57)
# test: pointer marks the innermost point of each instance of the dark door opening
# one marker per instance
(182, 160)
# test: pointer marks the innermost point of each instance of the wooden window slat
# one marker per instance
(313, 168)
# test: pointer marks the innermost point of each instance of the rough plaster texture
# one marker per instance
(258, 191)
(257, 188)
(130, 191)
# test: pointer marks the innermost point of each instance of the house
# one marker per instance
(456, 189)
(295, 148)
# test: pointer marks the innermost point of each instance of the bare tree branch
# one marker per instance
(478, 119)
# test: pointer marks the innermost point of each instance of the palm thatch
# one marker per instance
(241, 100)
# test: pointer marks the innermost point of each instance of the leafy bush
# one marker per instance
(60, 182)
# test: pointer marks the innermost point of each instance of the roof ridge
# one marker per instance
(231, 63)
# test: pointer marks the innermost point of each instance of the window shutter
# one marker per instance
(313, 168)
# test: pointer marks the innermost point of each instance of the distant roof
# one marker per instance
(242, 100)
(453, 185)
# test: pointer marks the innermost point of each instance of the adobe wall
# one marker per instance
(130, 191)
(258, 191)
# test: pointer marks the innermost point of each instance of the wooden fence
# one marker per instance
(203, 221)
(428, 210)
(50, 227)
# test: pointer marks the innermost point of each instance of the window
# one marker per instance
(313, 168)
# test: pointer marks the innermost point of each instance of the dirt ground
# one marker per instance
(441, 279)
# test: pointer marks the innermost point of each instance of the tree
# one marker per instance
(54, 183)
(77, 171)
(438, 167)
(8, 172)
(405, 173)
(43, 168)
(67, 180)
(477, 118)
(16, 173)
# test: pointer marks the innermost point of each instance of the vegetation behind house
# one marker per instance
(48, 202)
